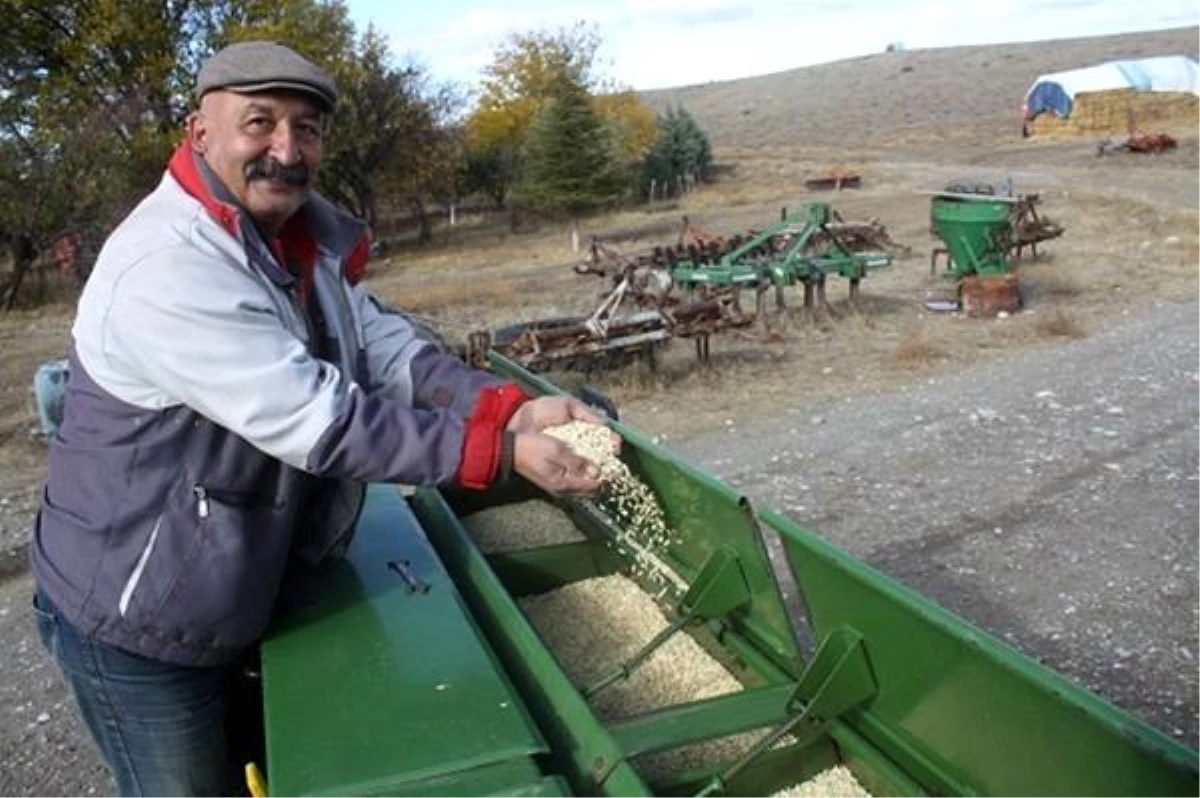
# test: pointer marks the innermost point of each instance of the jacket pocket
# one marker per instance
(218, 570)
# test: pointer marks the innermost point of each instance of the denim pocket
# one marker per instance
(47, 624)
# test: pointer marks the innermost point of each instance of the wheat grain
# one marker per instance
(521, 525)
(642, 535)
(595, 624)
(835, 782)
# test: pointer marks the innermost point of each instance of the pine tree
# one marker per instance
(681, 154)
(568, 156)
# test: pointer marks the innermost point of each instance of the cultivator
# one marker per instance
(694, 288)
(432, 661)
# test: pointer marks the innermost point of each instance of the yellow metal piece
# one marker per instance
(255, 781)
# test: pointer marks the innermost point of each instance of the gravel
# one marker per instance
(1051, 499)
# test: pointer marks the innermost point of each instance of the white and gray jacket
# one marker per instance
(211, 431)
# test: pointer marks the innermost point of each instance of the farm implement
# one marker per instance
(445, 655)
(695, 289)
(983, 233)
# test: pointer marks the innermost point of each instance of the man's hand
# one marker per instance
(551, 411)
(551, 465)
(548, 462)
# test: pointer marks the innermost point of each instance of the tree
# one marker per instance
(388, 131)
(91, 99)
(518, 83)
(569, 162)
(681, 155)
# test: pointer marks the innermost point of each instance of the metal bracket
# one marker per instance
(717, 590)
(838, 679)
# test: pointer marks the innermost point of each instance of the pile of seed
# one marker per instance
(642, 534)
(836, 782)
(521, 525)
(594, 625)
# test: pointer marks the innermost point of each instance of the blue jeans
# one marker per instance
(160, 727)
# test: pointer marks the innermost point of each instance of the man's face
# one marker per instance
(264, 147)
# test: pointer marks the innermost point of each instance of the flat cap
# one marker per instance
(251, 67)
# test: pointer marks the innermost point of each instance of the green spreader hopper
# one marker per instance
(976, 230)
(424, 664)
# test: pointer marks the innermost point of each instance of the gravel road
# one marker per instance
(1050, 499)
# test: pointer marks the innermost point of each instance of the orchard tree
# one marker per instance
(523, 77)
(92, 96)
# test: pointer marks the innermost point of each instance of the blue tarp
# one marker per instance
(1047, 97)
(1056, 92)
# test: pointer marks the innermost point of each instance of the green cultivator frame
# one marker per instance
(795, 250)
(414, 671)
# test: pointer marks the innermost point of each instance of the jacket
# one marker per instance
(212, 431)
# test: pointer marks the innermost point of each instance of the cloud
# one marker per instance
(662, 43)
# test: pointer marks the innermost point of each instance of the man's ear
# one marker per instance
(197, 131)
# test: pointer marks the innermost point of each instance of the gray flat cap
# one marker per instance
(250, 67)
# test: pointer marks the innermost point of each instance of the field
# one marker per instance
(908, 122)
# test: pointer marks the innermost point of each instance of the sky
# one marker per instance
(651, 44)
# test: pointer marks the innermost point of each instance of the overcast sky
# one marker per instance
(652, 44)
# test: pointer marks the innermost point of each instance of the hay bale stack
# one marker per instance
(1110, 113)
(522, 525)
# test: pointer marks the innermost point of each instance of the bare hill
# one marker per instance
(969, 96)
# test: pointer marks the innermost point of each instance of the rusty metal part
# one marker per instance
(835, 180)
(1029, 228)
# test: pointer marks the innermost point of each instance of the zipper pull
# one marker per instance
(201, 501)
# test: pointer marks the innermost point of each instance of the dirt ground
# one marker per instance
(1132, 240)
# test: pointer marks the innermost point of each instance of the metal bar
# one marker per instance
(544, 568)
(589, 757)
(703, 720)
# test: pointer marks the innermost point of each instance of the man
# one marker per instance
(230, 391)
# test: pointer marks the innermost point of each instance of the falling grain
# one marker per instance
(642, 535)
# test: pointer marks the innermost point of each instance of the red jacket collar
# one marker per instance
(183, 168)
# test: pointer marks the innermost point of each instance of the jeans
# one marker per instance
(160, 727)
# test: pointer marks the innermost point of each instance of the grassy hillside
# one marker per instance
(968, 96)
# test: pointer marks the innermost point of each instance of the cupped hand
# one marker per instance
(551, 465)
(551, 411)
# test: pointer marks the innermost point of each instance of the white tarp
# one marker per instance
(1165, 73)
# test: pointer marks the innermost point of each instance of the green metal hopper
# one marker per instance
(976, 231)
(413, 669)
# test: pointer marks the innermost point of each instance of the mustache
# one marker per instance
(268, 168)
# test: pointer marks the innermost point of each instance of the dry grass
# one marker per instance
(915, 348)
(1058, 323)
(1133, 238)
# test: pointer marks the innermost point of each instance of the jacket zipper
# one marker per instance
(205, 496)
(202, 507)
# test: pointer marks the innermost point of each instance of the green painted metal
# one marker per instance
(373, 688)
(530, 571)
(707, 516)
(704, 720)
(962, 712)
(975, 230)
(412, 670)
(836, 680)
(583, 751)
(745, 266)
(717, 590)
